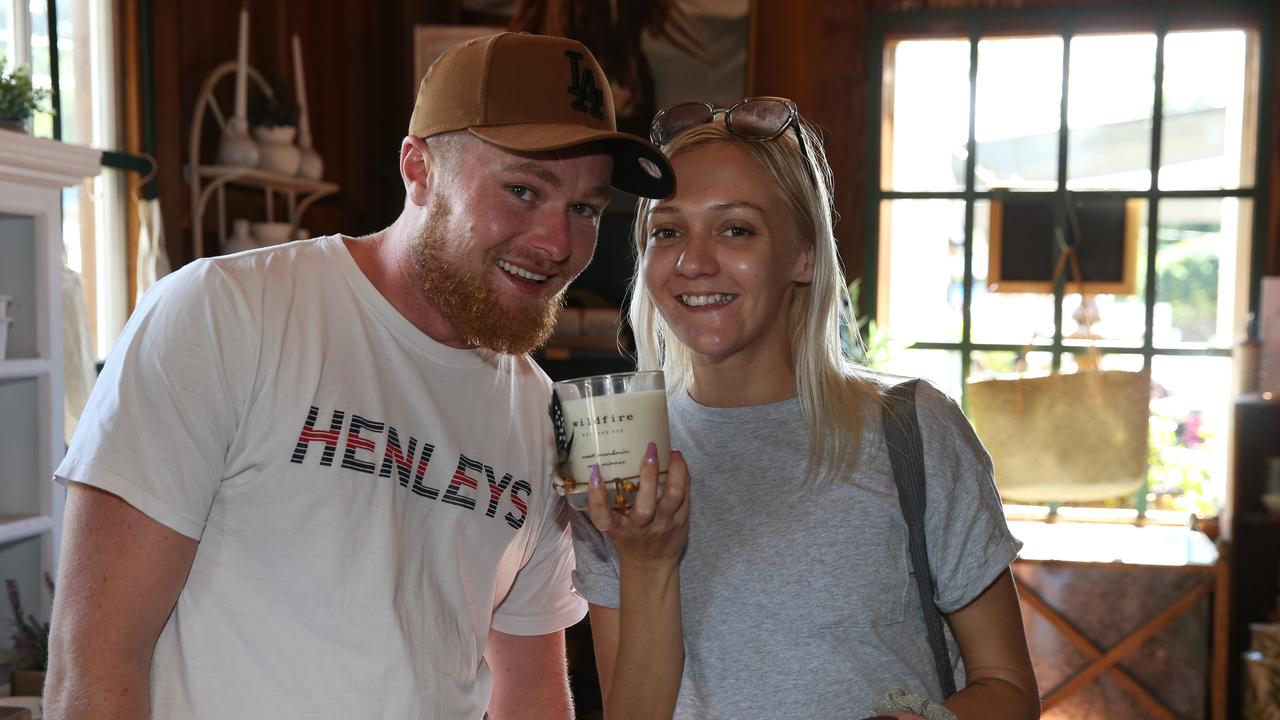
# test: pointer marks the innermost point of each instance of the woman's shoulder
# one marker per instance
(938, 413)
(928, 396)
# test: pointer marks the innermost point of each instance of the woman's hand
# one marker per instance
(640, 649)
(654, 531)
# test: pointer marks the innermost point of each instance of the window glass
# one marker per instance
(940, 367)
(1110, 91)
(926, 124)
(1202, 246)
(1190, 405)
(1018, 113)
(922, 268)
(1197, 262)
(1202, 141)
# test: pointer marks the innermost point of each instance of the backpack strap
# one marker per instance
(906, 455)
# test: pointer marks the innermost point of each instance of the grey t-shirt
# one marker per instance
(798, 601)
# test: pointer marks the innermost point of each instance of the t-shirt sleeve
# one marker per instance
(541, 599)
(968, 538)
(162, 415)
(595, 575)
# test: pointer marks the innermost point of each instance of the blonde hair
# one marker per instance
(832, 389)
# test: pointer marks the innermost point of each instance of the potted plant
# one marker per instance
(30, 645)
(274, 127)
(18, 98)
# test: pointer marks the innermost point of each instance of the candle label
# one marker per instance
(614, 431)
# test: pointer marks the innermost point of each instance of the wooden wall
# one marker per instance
(359, 68)
(360, 64)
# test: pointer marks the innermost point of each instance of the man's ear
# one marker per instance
(416, 166)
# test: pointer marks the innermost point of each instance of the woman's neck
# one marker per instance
(743, 381)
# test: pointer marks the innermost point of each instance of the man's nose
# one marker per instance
(552, 234)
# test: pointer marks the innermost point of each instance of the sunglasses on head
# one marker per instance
(755, 119)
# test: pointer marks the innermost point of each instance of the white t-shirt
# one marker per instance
(368, 502)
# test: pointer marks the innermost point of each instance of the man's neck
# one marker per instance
(386, 259)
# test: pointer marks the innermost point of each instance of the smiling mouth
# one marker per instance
(706, 300)
(520, 272)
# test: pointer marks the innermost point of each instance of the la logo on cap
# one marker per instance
(583, 87)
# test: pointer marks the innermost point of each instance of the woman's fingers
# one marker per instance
(599, 505)
(675, 491)
(647, 496)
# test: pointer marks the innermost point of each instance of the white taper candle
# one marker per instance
(300, 82)
(242, 71)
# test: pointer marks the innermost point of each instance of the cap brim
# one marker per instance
(639, 167)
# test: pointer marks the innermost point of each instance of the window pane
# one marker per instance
(41, 122)
(6, 36)
(1205, 108)
(985, 364)
(940, 367)
(1109, 97)
(921, 269)
(926, 123)
(1003, 317)
(1190, 405)
(1113, 319)
(1017, 318)
(72, 79)
(1071, 362)
(1018, 112)
(1201, 271)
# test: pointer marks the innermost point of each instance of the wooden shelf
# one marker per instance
(1271, 399)
(23, 368)
(263, 180)
(20, 527)
(1258, 519)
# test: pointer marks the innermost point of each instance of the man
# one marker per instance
(313, 480)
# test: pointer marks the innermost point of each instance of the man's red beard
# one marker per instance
(466, 296)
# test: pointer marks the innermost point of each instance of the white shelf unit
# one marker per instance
(33, 172)
(209, 182)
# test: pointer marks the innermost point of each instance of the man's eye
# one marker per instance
(521, 192)
(585, 210)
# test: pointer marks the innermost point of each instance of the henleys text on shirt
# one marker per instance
(410, 462)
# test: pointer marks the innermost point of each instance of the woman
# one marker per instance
(796, 592)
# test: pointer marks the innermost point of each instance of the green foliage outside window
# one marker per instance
(1188, 281)
(19, 98)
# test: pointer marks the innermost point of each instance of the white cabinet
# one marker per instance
(33, 172)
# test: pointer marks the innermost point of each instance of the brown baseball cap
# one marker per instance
(534, 93)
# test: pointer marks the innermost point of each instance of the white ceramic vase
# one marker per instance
(312, 165)
(279, 154)
(237, 148)
(240, 239)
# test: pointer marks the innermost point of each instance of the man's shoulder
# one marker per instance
(320, 251)
(255, 273)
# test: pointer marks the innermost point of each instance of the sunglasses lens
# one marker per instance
(676, 119)
(760, 119)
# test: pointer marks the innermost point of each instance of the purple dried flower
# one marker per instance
(11, 586)
(30, 637)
